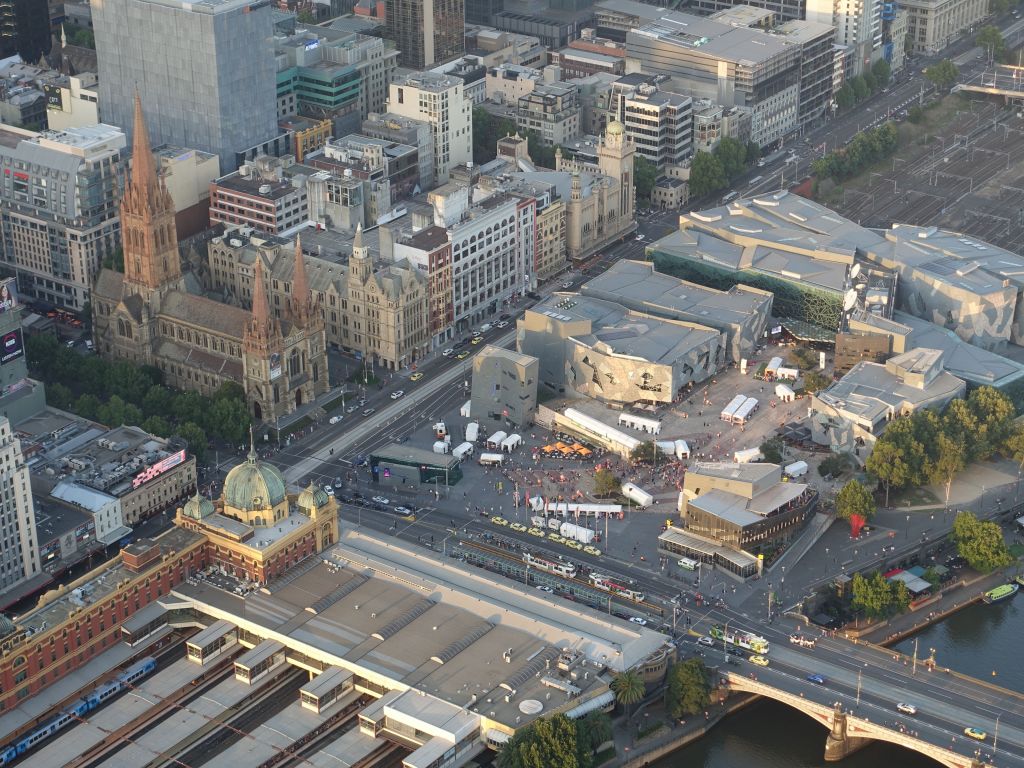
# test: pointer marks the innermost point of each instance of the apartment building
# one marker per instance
(19, 555)
(858, 26)
(72, 101)
(260, 195)
(407, 131)
(659, 123)
(552, 110)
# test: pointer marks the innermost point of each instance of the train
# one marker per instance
(608, 585)
(77, 710)
(565, 570)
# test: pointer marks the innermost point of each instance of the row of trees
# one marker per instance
(980, 543)
(943, 74)
(877, 597)
(867, 147)
(116, 393)
(929, 447)
(859, 88)
(714, 171)
(557, 742)
(488, 128)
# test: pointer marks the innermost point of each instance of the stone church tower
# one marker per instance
(615, 159)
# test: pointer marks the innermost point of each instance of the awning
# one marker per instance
(600, 701)
(115, 535)
(495, 736)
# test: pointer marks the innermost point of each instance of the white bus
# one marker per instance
(687, 564)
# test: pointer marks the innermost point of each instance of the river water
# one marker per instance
(976, 641)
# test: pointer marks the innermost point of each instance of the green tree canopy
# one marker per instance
(606, 483)
(1013, 446)
(732, 154)
(886, 464)
(645, 173)
(645, 453)
(980, 543)
(687, 689)
(707, 175)
(845, 97)
(943, 74)
(549, 742)
(874, 596)
(882, 72)
(854, 499)
(991, 39)
(815, 381)
(628, 688)
(860, 88)
(949, 457)
(771, 449)
(593, 730)
(194, 435)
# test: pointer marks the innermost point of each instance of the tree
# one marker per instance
(687, 689)
(915, 114)
(645, 173)
(882, 72)
(943, 74)
(80, 36)
(32, 29)
(706, 175)
(845, 97)
(994, 413)
(59, 396)
(606, 484)
(157, 425)
(306, 17)
(772, 449)
(194, 435)
(815, 382)
(854, 499)
(229, 420)
(594, 730)
(753, 152)
(999, 7)
(831, 465)
(628, 688)
(860, 88)
(644, 453)
(872, 595)
(886, 465)
(732, 154)
(900, 600)
(950, 456)
(991, 39)
(980, 543)
(1013, 446)
(550, 742)
(870, 82)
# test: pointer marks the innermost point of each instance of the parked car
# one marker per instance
(416, 376)
(448, 352)
(328, 490)
(352, 409)
(397, 394)
(403, 511)
(462, 355)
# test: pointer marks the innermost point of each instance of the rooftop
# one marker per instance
(211, 7)
(448, 631)
(255, 186)
(411, 454)
(727, 470)
(427, 81)
(744, 46)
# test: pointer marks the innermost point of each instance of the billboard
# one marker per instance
(53, 96)
(11, 347)
(158, 469)
(8, 294)
(275, 366)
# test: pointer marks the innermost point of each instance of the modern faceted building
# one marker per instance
(426, 32)
(205, 71)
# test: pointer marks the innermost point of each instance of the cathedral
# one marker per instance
(149, 316)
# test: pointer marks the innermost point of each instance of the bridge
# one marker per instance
(1003, 80)
(860, 686)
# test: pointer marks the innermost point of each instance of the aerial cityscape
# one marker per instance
(511, 383)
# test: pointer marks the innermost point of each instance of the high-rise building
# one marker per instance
(659, 123)
(552, 110)
(858, 25)
(441, 101)
(19, 552)
(21, 396)
(426, 32)
(58, 208)
(205, 71)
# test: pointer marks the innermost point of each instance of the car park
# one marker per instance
(906, 709)
(416, 376)
(638, 620)
(760, 661)
(816, 679)
(381, 500)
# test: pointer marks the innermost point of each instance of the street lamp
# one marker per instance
(907, 529)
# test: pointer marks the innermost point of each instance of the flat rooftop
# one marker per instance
(746, 46)
(256, 187)
(411, 618)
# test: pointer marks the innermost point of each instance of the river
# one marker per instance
(976, 641)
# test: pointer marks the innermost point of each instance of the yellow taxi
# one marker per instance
(760, 661)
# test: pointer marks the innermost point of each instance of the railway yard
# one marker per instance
(967, 176)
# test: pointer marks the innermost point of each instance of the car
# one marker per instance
(369, 411)
(574, 545)
(906, 709)
(556, 538)
(638, 620)
(518, 527)
(352, 409)
(705, 640)
(459, 344)
(499, 521)
(738, 652)
(760, 661)
(477, 340)
(362, 402)
(448, 352)
(761, 163)
(335, 419)
(329, 490)
(403, 511)
(381, 500)
(975, 733)
(462, 355)
(505, 316)
(567, 284)
(640, 236)
(501, 324)
(537, 532)
(816, 679)
(416, 376)
(592, 550)
(397, 394)
(544, 588)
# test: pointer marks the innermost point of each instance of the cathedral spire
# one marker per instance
(144, 182)
(301, 301)
(360, 265)
(261, 325)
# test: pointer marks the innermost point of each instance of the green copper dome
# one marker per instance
(254, 485)
(197, 507)
(313, 497)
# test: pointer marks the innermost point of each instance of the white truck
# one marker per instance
(637, 495)
(554, 523)
(491, 459)
(463, 451)
(472, 432)
(440, 430)
(796, 469)
(576, 533)
(748, 455)
(440, 446)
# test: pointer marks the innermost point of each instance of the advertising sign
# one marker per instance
(11, 347)
(275, 366)
(8, 294)
(53, 98)
(158, 469)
